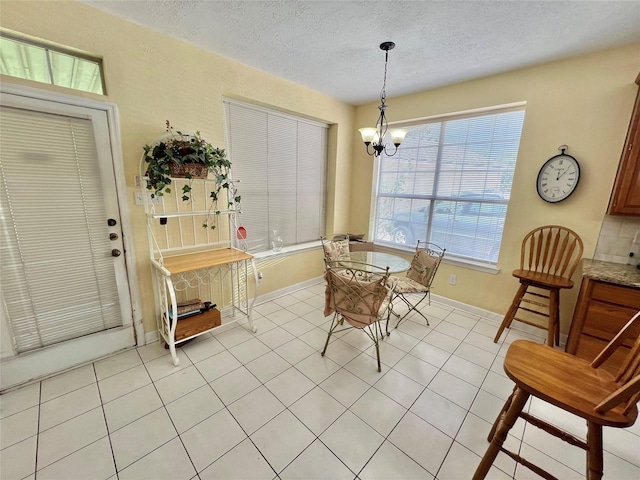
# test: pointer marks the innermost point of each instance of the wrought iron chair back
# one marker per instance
(418, 279)
(357, 294)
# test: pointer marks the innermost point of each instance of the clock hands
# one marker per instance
(561, 174)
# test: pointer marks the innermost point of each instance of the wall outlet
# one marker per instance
(452, 279)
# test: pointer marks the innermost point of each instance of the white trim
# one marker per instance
(287, 291)
(515, 106)
(111, 111)
(151, 337)
(302, 247)
(272, 110)
(449, 259)
(496, 317)
(51, 360)
(470, 264)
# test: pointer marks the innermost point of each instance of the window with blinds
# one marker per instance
(450, 184)
(45, 64)
(280, 161)
(56, 281)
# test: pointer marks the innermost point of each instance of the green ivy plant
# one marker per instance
(180, 149)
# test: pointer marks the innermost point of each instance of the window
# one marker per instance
(450, 184)
(22, 59)
(280, 161)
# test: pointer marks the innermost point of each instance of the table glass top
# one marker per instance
(395, 263)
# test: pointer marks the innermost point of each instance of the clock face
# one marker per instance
(558, 178)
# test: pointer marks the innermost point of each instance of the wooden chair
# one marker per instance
(548, 258)
(574, 385)
(419, 278)
(357, 295)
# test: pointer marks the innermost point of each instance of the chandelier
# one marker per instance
(375, 136)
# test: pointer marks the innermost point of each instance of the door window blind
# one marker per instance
(280, 161)
(57, 272)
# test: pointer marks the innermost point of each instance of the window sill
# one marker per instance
(450, 259)
(471, 264)
(303, 247)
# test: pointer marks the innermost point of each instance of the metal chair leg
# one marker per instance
(412, 308)
(334, 325)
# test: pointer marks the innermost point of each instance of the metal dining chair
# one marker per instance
(333, 249)
(418, 279)
(575, 385)
(358, 295)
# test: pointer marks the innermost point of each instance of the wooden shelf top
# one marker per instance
(211, 258)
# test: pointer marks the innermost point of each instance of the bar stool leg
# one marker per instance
(594, 454)
(511, 313)
(518, 400)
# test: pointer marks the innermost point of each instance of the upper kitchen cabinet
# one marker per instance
(625, 198)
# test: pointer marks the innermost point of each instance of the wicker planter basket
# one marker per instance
(196, 170)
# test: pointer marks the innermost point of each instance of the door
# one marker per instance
(63, 279)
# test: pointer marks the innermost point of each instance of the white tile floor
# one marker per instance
(265, 406)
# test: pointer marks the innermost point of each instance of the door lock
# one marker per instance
(111, 222)
(115, 252)
(113, 236)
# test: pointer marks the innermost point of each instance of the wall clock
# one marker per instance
(558, 177)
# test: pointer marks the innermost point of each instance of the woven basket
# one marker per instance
(197, 170)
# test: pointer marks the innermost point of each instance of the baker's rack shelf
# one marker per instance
(188, 260)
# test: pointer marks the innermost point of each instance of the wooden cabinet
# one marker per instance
(601, 312)
(625, 198)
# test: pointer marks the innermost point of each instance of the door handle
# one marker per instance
(115, 252)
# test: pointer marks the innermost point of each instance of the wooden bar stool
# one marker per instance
(576, 386)
(549, 256)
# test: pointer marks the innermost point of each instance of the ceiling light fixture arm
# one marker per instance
(375, 136)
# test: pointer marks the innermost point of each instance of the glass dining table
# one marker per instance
(362, 260)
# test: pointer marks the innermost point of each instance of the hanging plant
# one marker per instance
(189, 156)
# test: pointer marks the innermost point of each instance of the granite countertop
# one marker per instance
(616, 273)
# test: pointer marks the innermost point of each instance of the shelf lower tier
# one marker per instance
(190, 326)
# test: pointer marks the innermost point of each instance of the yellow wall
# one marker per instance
(584, 102)
(152, 77)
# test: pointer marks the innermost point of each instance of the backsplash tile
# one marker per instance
(616, 240)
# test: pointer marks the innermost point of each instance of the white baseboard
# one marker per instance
(288, 290)
(468, 308)
(492, 316)
(497, 317)
(150, 337)
(153, 335)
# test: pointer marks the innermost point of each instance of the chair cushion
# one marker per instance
(422, 267)
(335, 249)
(406, 285)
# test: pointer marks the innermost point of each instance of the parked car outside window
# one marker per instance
(463, 226)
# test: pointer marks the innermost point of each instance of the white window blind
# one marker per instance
(450, 184)
(57, 272)
(280, 161)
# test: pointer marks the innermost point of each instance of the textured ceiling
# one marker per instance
(332, 46)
